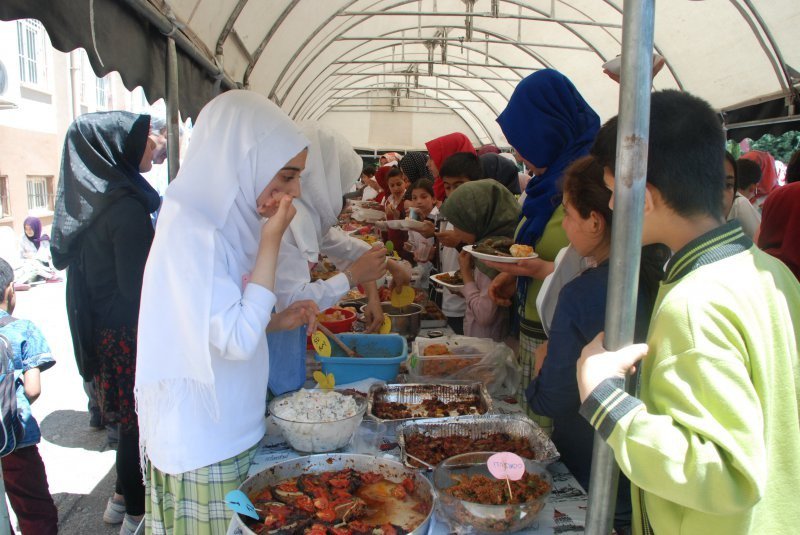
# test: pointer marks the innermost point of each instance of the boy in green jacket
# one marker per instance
(711, 443)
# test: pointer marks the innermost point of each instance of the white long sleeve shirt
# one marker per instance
(188, 438)
(294, 281)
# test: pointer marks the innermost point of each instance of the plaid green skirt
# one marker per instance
(527, 348)
(193, 503)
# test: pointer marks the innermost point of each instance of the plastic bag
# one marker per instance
(463, 358)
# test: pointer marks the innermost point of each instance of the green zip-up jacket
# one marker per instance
(711, 443)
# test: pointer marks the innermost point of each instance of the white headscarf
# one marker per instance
(241, 140)
(332, 167)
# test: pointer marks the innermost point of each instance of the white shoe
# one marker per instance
(114, 513)
(130, 525)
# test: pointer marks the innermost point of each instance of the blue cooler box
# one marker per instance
(381, 355)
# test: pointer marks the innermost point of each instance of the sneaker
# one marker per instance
(130, 525)
(114, 513)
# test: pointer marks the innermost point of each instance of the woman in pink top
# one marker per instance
(479, 210)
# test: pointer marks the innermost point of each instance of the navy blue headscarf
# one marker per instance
(550, 125)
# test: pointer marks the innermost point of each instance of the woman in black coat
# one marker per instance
(102, 233)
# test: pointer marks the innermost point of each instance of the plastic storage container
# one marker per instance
(381, 355)
(460, 354)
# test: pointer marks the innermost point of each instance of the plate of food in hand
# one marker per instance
(502, 250)
(411, 224)
(451, 280)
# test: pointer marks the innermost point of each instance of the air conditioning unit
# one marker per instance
(5, 104)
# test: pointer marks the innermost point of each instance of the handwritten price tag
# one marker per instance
(321, 344)
(239, 502)
(506, 465)
(386, 326)
(326, 382)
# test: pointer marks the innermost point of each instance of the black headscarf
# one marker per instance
(502, 170)
(100, 165)
(414, 166)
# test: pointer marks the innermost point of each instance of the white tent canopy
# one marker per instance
(395, 73)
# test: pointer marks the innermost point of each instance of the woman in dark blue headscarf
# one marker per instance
(550, 125)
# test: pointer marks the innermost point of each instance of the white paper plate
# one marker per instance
(395, 224)
(435, 278)
(367, 215)
(410, 224)
(500, 259)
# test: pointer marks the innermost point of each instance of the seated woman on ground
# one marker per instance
(34, 248)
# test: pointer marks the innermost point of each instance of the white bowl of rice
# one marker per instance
(318, 421)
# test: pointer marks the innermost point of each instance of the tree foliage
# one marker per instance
(781, 147)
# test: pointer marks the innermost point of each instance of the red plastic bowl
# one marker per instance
(341, 326)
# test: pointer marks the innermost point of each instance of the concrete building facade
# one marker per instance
(41, 91)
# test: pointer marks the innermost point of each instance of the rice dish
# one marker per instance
(315, 406)
(318, 421)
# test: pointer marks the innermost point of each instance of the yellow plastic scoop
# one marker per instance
(402, 297)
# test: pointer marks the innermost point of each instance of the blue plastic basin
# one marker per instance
(381, 357)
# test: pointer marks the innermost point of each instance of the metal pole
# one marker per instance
(626, 238)
(173, 126)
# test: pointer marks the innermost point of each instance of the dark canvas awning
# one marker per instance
(119, 40)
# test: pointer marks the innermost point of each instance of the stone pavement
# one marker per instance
(80, 466)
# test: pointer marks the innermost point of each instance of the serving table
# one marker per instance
(564, 513)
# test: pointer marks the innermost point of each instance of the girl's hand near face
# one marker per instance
(278, 223)
(466, 265)
(271, 233)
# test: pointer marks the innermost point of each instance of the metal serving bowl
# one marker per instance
(405, 321)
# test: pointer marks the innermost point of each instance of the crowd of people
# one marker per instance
(183, 353)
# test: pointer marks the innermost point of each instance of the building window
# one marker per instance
(32, 52)
(5, 209)
(102, 93)
(40, 193)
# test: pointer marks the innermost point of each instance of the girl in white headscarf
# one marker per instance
(331, 169)
(203, 363)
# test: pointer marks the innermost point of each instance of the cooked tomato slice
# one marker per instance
(288, 487)
(399, 492)
(339, 483)
(327, 515)
(264, 496)
(317, 529)
(408, 484)
(358, 526)
(371, 477)
(305, 503)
